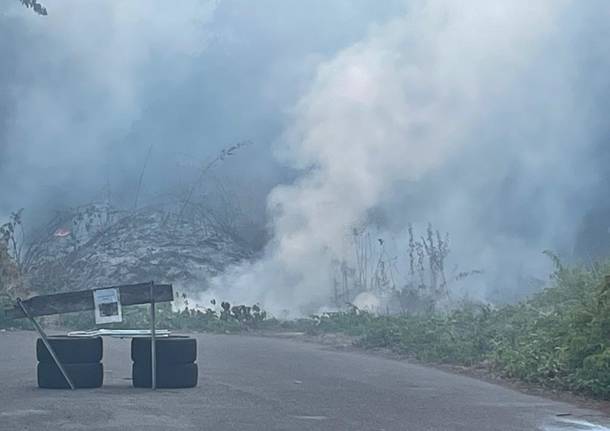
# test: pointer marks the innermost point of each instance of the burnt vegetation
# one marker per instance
(418, 284)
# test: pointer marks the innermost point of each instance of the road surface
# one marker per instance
(256, 383)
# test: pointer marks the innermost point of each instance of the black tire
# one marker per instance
(169, 376)
(71, 350)
(170, 350)
(83, 375)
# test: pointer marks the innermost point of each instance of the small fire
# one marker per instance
(62, 232)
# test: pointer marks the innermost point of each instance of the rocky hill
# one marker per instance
(97, 246)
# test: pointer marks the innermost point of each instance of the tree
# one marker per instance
(10, 278)
(36, 7)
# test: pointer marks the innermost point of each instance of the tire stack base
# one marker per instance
(176, 367)
(80, 358)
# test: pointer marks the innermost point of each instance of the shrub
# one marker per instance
(558, 338)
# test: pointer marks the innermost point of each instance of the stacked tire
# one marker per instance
(80, 357)
(176, 362)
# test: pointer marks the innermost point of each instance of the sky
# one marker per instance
(487, 119)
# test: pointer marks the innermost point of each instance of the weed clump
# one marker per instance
(559, 338)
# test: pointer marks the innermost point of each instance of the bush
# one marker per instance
(558, 338)
(229, 319)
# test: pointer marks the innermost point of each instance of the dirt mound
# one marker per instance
(97, 246)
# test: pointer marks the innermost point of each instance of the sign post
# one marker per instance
(153, 340)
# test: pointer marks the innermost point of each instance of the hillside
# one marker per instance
(96, 246)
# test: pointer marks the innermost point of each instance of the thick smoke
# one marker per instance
(76, 81)
(461, 114)
(486, 119)
(87, 90)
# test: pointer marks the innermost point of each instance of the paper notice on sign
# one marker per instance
(107, 306)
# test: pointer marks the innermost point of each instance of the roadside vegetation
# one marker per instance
(558, 338)
(11, 277)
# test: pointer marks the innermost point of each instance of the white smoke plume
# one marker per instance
(401, 121)
(486, 119)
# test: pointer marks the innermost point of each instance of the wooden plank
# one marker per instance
(82, 300)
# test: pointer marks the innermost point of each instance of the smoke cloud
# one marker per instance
(486, 119)
(76, 81)
(463, 115)
(88, 89)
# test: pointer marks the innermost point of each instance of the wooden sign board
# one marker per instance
(82, 300)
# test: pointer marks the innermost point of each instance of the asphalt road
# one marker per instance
(255, 383)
